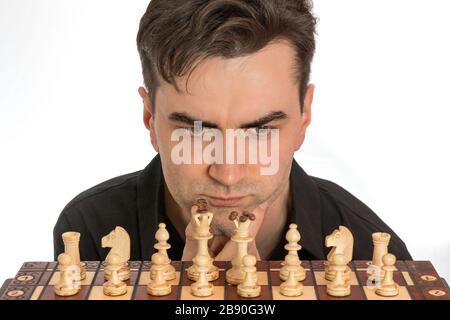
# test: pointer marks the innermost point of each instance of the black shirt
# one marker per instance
(135, 201)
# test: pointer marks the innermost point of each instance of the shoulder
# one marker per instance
(332, 192)
(338, 204)
(99, 203)
(93, 211)
(121, 185)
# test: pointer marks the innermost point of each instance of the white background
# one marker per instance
(70, 115)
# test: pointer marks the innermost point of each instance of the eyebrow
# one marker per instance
(187, 119)
(277, 115)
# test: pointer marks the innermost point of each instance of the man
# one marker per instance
(213, 66)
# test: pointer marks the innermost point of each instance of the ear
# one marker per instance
(306, 115)
(148, 116)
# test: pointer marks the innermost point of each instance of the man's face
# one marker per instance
(231, 94)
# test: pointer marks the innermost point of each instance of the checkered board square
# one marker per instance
(418, 280)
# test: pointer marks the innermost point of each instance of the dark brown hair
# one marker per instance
(176, 35)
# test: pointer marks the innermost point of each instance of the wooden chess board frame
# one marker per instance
(418, 280)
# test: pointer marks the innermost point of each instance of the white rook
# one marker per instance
(380, 243)
(72, 248)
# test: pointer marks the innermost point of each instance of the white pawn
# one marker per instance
(340, 286)
(291, 287)
(158, 286)
(69, 277)
(388, 286)
(249, 288)
(114, 286)
(293, 237)
(202, 287)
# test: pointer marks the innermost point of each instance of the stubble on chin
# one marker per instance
(220, 228)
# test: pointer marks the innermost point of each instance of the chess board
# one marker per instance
(418, 280)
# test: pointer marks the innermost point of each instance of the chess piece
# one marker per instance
(242, 237)
(202, 287)
(388, 286)
(202, 219)
(114, 286)
(291, 287)
(339, 287)
(202, 205)
(69, 277)
(380, 244)
(119, 242)
(249, 287)
(293, 237)
(159, 286)
(72, 248)
(161, 236)
(342, 242)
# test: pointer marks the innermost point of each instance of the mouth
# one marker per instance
(225, 201)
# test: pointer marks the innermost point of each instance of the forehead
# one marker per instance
(238, 89)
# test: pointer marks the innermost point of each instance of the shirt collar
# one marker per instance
(305, 204)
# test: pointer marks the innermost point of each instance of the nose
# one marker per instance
(226, 174)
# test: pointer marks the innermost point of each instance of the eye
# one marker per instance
(261, 131)
(266, 127)
(196, 132)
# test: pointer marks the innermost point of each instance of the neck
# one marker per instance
(175, 213)
(274, 223)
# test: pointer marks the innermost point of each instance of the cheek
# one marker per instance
(287, 150)
(182, 178)
(289, 139)
(271, 181)
(163, 133)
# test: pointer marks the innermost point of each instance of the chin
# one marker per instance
(222, 229)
